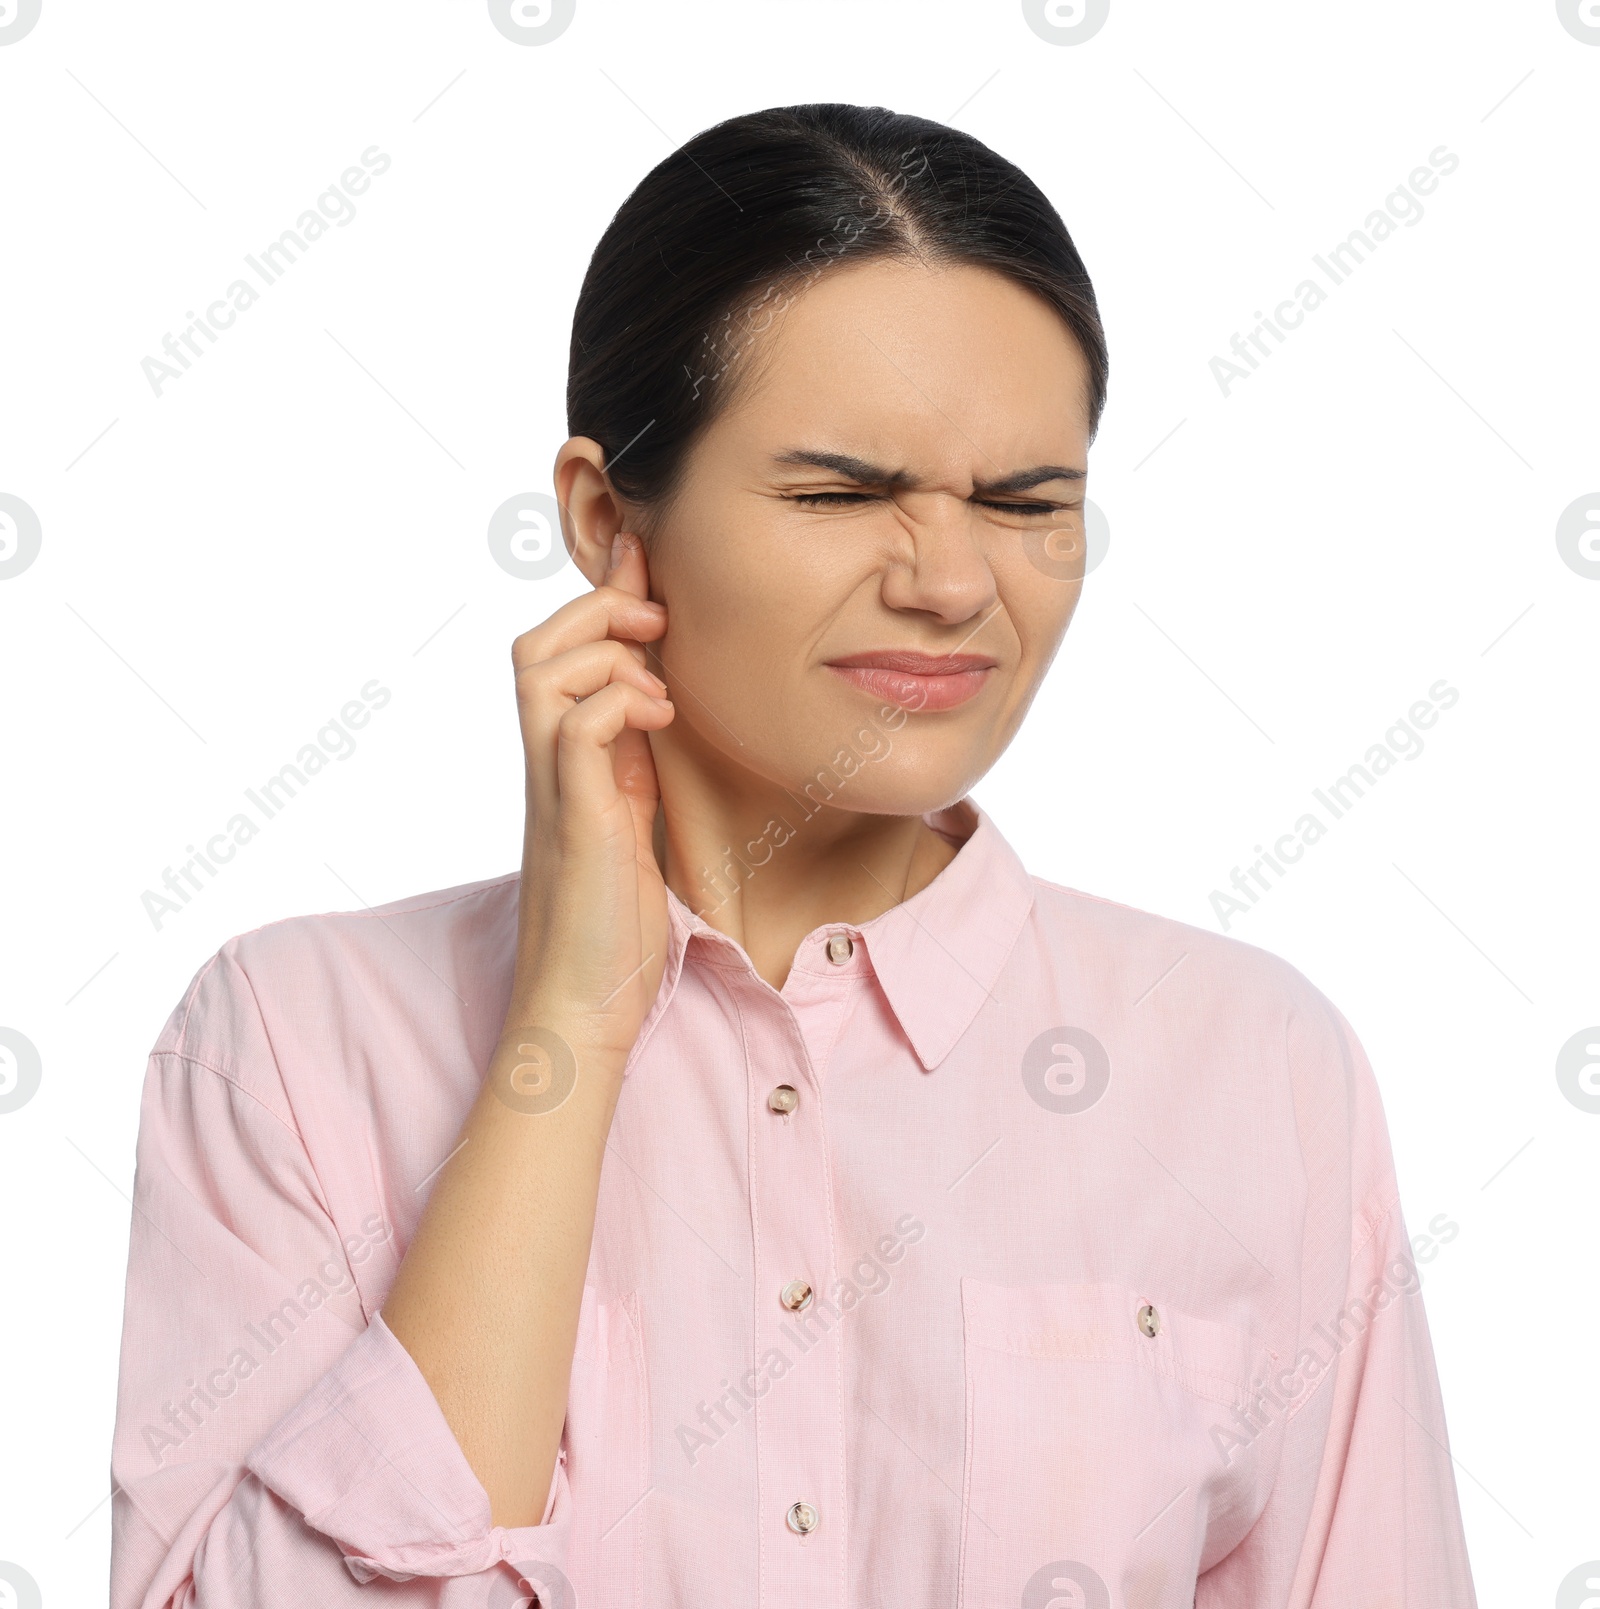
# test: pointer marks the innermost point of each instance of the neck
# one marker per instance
(766, 866)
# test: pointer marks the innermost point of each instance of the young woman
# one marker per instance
(775, 1196)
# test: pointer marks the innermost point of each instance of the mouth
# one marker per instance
(916, 681)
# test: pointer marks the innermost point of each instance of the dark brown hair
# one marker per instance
(718, 237)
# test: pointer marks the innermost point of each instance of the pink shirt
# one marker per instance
(1110, 1297)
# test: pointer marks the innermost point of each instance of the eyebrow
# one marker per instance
(863, 473)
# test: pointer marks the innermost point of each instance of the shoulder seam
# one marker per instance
(1207, 933)
(380, 911)
(194, 994)
(191, 1060)
(1099, 899)
(465, 893)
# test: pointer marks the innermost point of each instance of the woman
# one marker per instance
(775, 1195)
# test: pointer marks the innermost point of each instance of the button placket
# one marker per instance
(799, 1417)
(822, 984)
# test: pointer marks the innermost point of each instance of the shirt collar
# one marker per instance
(937, 956)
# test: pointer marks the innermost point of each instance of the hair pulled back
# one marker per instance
(724, 233)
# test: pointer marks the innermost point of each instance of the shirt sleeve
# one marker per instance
(274, 1442)
(1363, 1509)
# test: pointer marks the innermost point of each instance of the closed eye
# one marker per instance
(845, 499)
(1027, 508)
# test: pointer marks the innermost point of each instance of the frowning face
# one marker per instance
(863, 565)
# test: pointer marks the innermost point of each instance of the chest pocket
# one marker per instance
(607, 1452)
(1103, 1463)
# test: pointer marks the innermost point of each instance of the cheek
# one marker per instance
(748, 597)
(1040, 609)
(734, 641)
(740, 625)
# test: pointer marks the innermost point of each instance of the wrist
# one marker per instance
(543, 1051)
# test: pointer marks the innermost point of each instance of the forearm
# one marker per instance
(486, 1300)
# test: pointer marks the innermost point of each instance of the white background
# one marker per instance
(1291, 567)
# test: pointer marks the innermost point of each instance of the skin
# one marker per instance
(688, 702)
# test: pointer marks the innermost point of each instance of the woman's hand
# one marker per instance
(592, 936)
(487, 1296)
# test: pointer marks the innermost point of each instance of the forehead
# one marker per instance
(896, 353)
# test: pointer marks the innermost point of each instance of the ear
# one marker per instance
(591, 513)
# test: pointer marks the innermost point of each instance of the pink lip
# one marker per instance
(916, 681)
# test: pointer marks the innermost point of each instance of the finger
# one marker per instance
(605, 612)
(634, 767)
(629, 572)
(584, 770)
(580, 672)
(549, 688)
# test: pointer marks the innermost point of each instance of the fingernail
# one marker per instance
(616, 552)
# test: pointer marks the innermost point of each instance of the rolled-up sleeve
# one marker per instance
(1364, 1507)
(274, 1442)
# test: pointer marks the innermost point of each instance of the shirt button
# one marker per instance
(1149, 1319)
(839, 949)
(802, 1518)
(796, 1296)
(783, 1099)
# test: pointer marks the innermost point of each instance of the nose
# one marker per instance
(941, 569)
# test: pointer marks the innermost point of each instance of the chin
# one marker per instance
(900, 782)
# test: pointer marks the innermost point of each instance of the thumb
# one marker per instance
(626, 568)
(628, 571)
